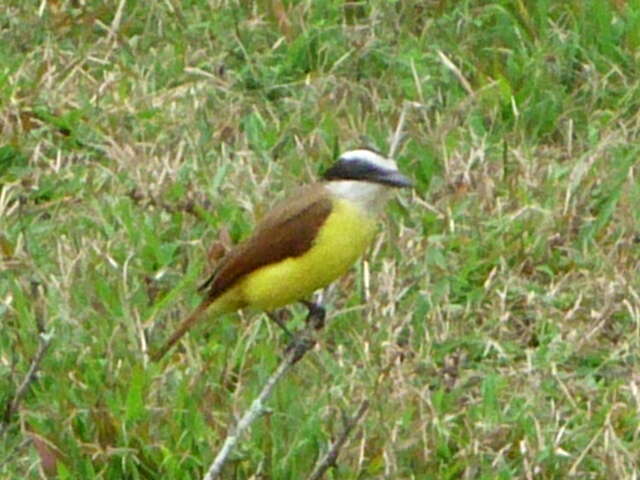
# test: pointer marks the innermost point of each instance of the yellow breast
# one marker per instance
(345, 235)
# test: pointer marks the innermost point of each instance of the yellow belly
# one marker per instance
(344, 237)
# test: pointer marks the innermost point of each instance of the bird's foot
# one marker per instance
(278, 321)
(316, 316)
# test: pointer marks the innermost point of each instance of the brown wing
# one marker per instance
(287, 231)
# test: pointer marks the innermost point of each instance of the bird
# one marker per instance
(303, 244)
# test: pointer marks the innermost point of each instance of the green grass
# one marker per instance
(498, 336)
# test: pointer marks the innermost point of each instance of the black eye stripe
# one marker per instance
(352, 170)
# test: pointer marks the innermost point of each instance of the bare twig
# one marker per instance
(44, 339)
(299, 347)
(329, 460)
(14, 403)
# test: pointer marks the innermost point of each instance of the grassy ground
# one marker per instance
(495, 327)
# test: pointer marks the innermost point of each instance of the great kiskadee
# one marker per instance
(304, 243)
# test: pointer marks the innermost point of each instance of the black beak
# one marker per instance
(392, 178)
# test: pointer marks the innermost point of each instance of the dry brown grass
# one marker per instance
(494, 328)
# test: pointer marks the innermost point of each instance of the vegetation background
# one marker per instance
(495, 326)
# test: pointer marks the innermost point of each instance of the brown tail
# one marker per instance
(184, 326)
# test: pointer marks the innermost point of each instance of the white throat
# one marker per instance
(368, 196)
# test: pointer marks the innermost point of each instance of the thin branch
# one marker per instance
(44, 339)
(329, 460)
(295, 351)
(14, 403)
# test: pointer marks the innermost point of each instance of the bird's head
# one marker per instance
(367, 166)
(364, 177)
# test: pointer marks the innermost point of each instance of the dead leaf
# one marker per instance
(49, 454)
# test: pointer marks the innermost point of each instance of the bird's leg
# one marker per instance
(274, 317)
(304, 340)
(316, 315)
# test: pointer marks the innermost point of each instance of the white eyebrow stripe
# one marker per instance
(369, 157)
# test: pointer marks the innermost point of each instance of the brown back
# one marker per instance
(286, 231)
